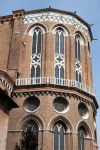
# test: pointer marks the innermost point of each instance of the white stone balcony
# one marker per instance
(54, 81)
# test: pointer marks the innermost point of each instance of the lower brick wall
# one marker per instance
(3, 129)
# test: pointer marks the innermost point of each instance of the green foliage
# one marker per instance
(29, 140)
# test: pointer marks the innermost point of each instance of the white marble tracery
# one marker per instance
(78, 66)
(56, 17)
(36, 60)
(78, 70)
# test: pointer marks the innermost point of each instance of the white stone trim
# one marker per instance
(55, 17)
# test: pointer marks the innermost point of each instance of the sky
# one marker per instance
(89, 10)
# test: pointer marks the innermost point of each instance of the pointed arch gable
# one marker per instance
(25, 119)
(60, 118)
(64, 28)
(85, 125)
(31, 28)
(82, 38)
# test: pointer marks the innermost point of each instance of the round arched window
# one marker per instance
(61, 104)
(31, 104)
(83, 110)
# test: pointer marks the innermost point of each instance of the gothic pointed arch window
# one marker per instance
(77, 47)
(59, 54)
(78, 67)
(30, 136)
(59, 135)
(82, 133)
(36, 52)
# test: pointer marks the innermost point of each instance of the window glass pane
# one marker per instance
(57, 72)
(57, 43)
(32, 71)
(62, 138)
(38, 71)
(79, 77)
(81, 138)
(79, 143)
(56, 138)
(83, 145)
(62, 72)
(78, 49)
(95, 135)
(76, 76)
(34, 43)
(61, 43)
(39, 43)
(59, 130)
(31, 131)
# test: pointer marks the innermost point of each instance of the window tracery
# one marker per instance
(61, 105)
(36, 52)
(82, 133)
(59, 54)
(59, 133)
(31, 104)
(78, 67)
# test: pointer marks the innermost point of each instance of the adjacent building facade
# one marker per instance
(46, 74)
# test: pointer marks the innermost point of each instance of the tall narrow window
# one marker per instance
(78, 76)
(95, 135)
(59, 54)
(59, 133)
(36, 52)
(81, 138)
(30, 136)
(77, 47)
(78, 68)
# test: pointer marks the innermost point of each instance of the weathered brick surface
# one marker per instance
(3, 129)
(15, 57)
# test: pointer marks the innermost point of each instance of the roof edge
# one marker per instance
(65, 12)
(22, 11)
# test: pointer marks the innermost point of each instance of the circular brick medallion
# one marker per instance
(61, 105)
(31, 104)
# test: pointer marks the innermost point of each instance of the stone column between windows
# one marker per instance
(86, 65)
(68, 141)
(67, 56)
(75, 141)
(90, 80)
(88, 144)
(72, 58)
(49, 55)
(83, 60)
(43, 56)
(48, 140)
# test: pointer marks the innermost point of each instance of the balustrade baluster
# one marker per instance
(52, 80)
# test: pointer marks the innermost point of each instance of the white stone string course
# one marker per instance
(56, 17)
(54, 81)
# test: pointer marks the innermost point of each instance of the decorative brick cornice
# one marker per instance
(18, 13)
(6, 19)
(73, 18)
(6, 82)
(53, 91)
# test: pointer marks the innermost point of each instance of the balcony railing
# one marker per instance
(54, 81)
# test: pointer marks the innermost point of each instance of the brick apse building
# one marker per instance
(46, 77)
